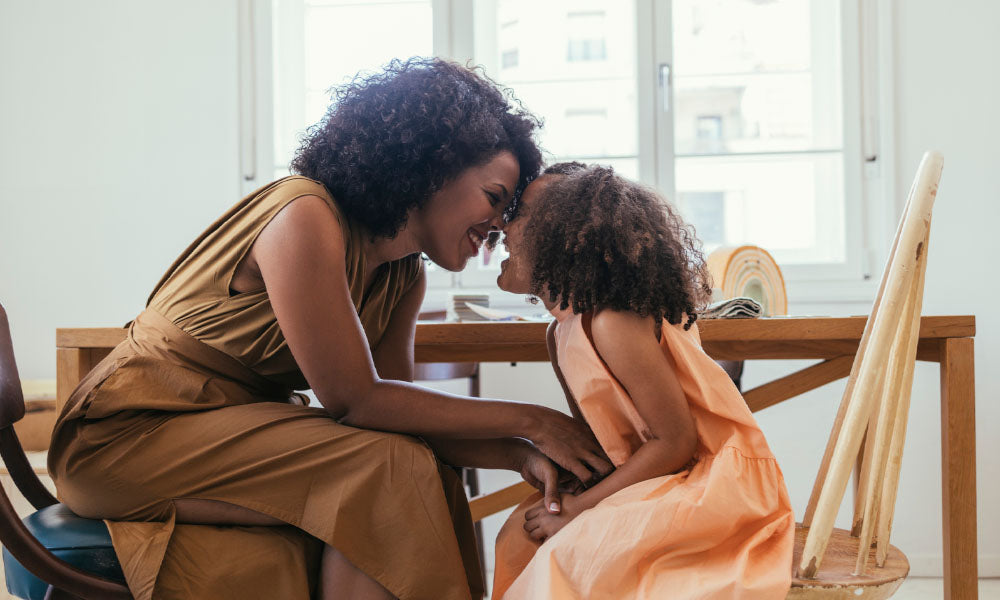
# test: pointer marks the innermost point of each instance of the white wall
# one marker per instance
(120, 143)
(948, 91)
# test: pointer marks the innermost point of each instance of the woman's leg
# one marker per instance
(290, 463)
(212, 512)
(338, 577)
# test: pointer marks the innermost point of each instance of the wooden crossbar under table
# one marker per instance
(947, 340)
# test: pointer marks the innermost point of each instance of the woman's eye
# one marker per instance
(494, 199)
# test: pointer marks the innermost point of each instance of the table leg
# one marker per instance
(958, 468)
(70, 369)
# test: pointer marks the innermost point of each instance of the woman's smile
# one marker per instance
(476, 239)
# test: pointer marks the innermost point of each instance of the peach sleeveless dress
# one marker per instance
(722, 528)
(195, 403)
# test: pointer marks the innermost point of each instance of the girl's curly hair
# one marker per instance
(601, 241)
(391, 139)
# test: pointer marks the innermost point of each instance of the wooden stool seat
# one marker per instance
(835, 578)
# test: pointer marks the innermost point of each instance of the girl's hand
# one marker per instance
(541, 524)
(570, 444)
(546, 477)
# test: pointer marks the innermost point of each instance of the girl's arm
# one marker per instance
(301, 256)
(627, 345)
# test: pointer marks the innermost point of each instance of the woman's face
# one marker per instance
(515, 271)
(459, 216)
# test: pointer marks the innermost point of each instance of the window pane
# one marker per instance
(758, 125)
(780, 202)
(772, 112)
(572, 63)
(341, 38)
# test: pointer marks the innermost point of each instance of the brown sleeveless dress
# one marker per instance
(197, 402)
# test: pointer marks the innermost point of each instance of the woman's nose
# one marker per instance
(496, 223)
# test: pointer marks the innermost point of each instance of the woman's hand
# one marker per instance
(546, 477)
(541, 524)
(570, 444)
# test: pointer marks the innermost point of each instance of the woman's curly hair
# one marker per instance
(391, 139)
(601, 241)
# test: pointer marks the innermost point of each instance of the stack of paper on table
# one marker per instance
(733, 308)
(458, 307)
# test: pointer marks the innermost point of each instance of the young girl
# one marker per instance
(697, 507)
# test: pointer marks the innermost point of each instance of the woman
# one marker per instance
(315, 282)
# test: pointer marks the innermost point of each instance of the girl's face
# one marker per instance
(515, 272)
(458, 217)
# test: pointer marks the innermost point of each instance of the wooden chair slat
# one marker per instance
(890, 482)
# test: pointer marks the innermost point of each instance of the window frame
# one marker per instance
(870, 205)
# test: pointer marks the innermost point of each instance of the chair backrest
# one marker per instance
(11, 411)
(11, 397)
(877, 397)
(14, 536)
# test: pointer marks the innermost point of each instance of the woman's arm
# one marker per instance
(301, 256)
(394, 360)
(393, 356)
(627, 345)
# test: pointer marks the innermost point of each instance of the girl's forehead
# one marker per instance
(536, 187)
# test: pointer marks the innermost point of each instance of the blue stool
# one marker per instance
(82, 543)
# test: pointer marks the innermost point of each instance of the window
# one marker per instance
(315, 51)
(745, 113)
(577, 71)
(770, 73)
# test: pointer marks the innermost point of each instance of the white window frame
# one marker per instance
(871, 206)
(850, 281)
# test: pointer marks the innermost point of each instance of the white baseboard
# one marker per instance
(931, 565)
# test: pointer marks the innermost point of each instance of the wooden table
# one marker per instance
(945, 340)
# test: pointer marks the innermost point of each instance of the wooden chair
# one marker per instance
(869, 431)
(52, 553)
(873, 413)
